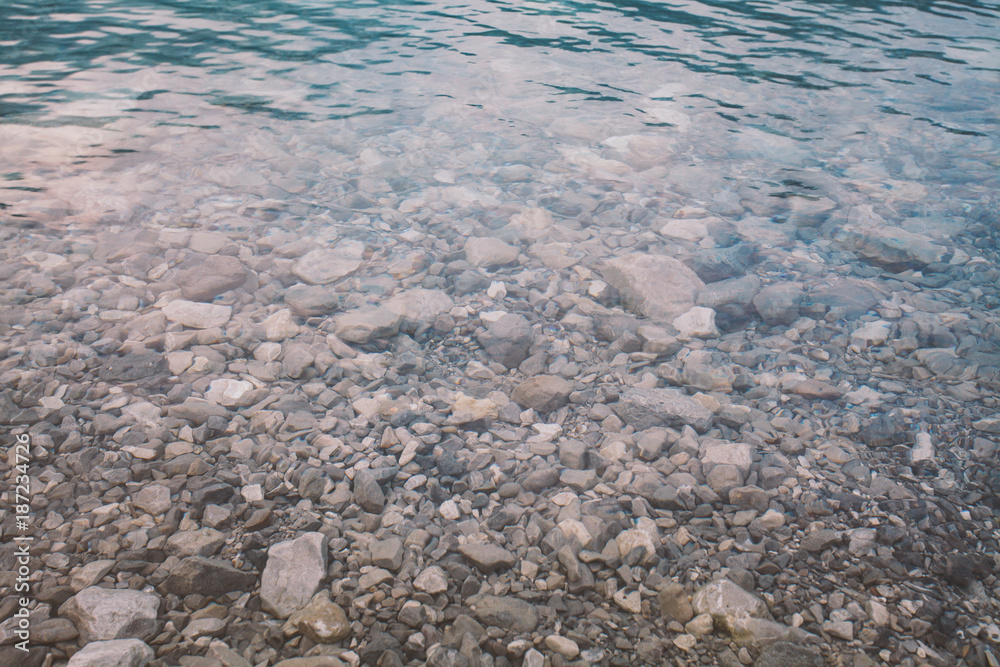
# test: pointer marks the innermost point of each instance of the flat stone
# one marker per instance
(506, 612)
(102, 614)
(779, 304)
(211, 276)
(699, 322)
(311, 300)
(197, 410)
(132, 367)
(326, 265)
(467, 410)
(89, 574)
(543, 393)
(653, 286)
(197, 315)
(736, 454)
(113, 653)
(646, 408)
(786, 654)
(293, 573)
(868, 236)
(489, 252)
(366, 324)
(487, 557)
(207, 576)
(727, 603)
(419, 308)
(200, 542)
(231, 393)
(819, 540)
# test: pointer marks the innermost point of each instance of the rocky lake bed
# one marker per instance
(606, 430)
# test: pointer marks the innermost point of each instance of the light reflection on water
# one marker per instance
(129, 111)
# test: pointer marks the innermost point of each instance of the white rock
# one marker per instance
(871, 333)
(197, 315)
(280, 325)
(923, 449)
(293, 574)
(231, 393)
(699, 322)
(325, 265)
(432, 581)
(103, 614)
(114, 653)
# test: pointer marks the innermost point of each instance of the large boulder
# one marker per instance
(869, 236)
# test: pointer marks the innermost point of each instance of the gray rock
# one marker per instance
(102, 614)
(197, 315)
(294, 571)
(419, 308)
(779, 304)
(507, 612)
(367, 492)
(326, 265)
(197, 410)
(654, 286)
(867, 235)
(153, 499)
(715, 264)
(113, 653)
(366, 324)
(541, 479)
(507, 340)
(207, 576)
(387, 553)
(573, 454)
(311, 300)
(133, 367)
(675, 603)
(210, 276)
(819, 540)
(489, 252)
(487, 557)
(201, 542)
(786, 654)
(543, 393)
(646, 408)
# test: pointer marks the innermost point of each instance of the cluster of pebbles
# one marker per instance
(575, 433)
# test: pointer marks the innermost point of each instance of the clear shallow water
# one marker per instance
(356, 112)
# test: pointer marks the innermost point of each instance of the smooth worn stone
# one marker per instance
(489, 252)
(311, 300)
(326, 265)
(102, 614)
(419, 308)
(736, 454)
(816, 390)
(197, 315)
(207, 576)
(132, 367)
(564, 646)
(779, 304)
(507, 340)
(506, 612)
(113, 653)
(543, 393)
(366, 324)
(321, 620)
(487, 557)
(715, 264)
(653, 286)
(293, 573)
(541, 479)
(197, 410)
(367, 492)
(894, 248)
(211, 276)
(232, 393)
(646, 408)
(786, 654)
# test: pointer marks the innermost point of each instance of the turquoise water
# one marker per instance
(122, 112)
